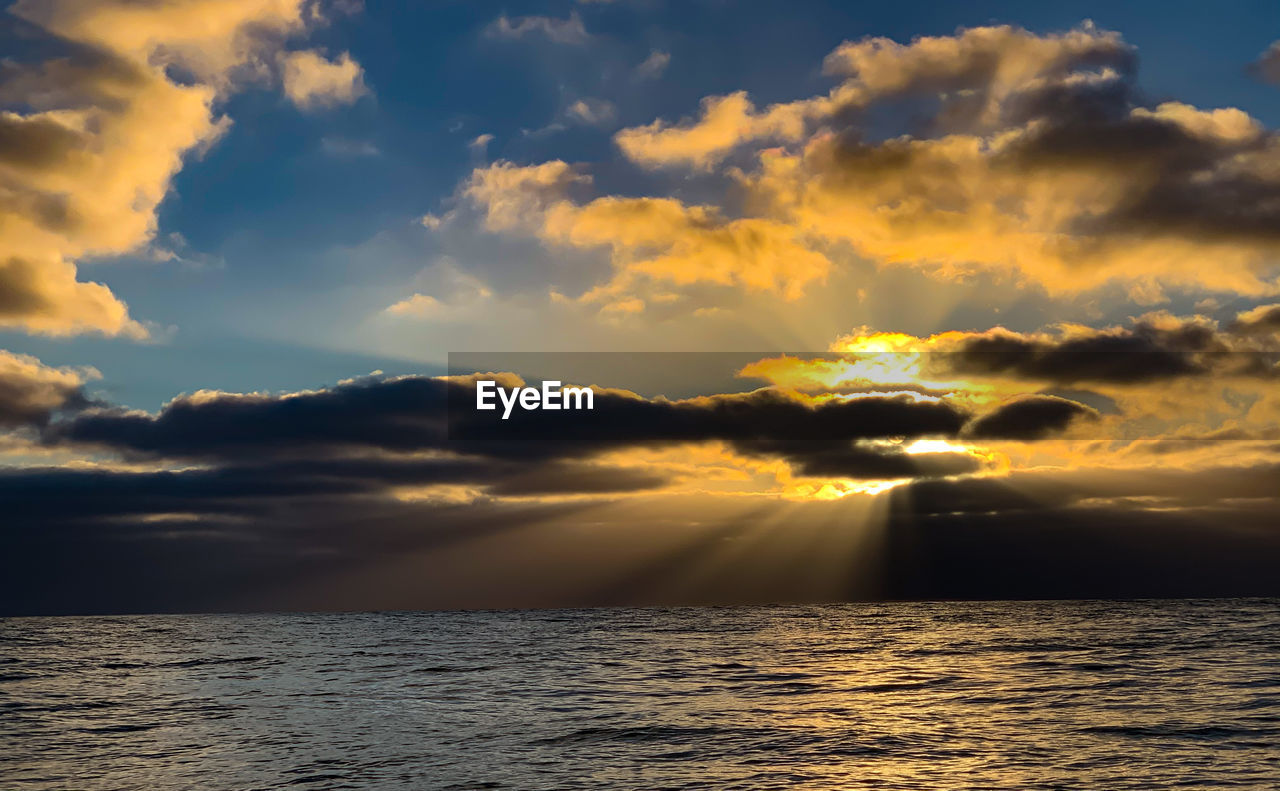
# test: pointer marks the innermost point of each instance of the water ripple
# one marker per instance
(944, 696)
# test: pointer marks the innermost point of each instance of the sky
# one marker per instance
(909, 300)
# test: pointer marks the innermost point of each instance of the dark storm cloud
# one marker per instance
(402, 414)
(364, 439)
(1151, 349)
(419, 413)
(341, 426)
(1029, 417)
(760, 414)
(348, 485)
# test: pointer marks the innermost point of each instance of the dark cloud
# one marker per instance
(83, 76)
(1029, 417)
(31, 393)
(346, 423)
(356, 496)
(1183, 181)
(1081, 534)
(402, 414)
(1109, 136)
(1151, 349)
(420, 413)
(1262, 320)
(59, 495)
(761, 414)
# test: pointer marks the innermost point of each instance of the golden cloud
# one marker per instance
(987, 62)
(724, 123)
(659, 239)
(1039, 160)
(311, 81)
(30, 391)
(103, 132)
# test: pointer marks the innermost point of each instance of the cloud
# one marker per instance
(479, 145)
(652, 67)
(345, 147)
(592, 112)
(658, 239)
(31, 393)
(384, 436)
(106, 120)
(313, 82)
(418, 305)
(247, 494)
(264, 538)
(1152, 348)
(411, 414)
(1263, 320)
(724, 123)
(1159, 375)
(559, 31)
(1267, 66)
(1037, 157)
(1069, 203)
(996, 64)
(458, 295)
(1029, 417)
(986, 64)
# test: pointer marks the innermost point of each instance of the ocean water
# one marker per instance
(1062, 695)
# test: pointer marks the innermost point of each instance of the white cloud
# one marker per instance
(479, 145)
(653, 66)
(560, 31)
(312, 82)
(460, 294)
(593, 112)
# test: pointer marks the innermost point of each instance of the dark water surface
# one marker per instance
(1097, 695)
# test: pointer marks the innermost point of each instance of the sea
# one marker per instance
(937, 696)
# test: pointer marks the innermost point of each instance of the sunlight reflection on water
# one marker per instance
(1131, 695)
